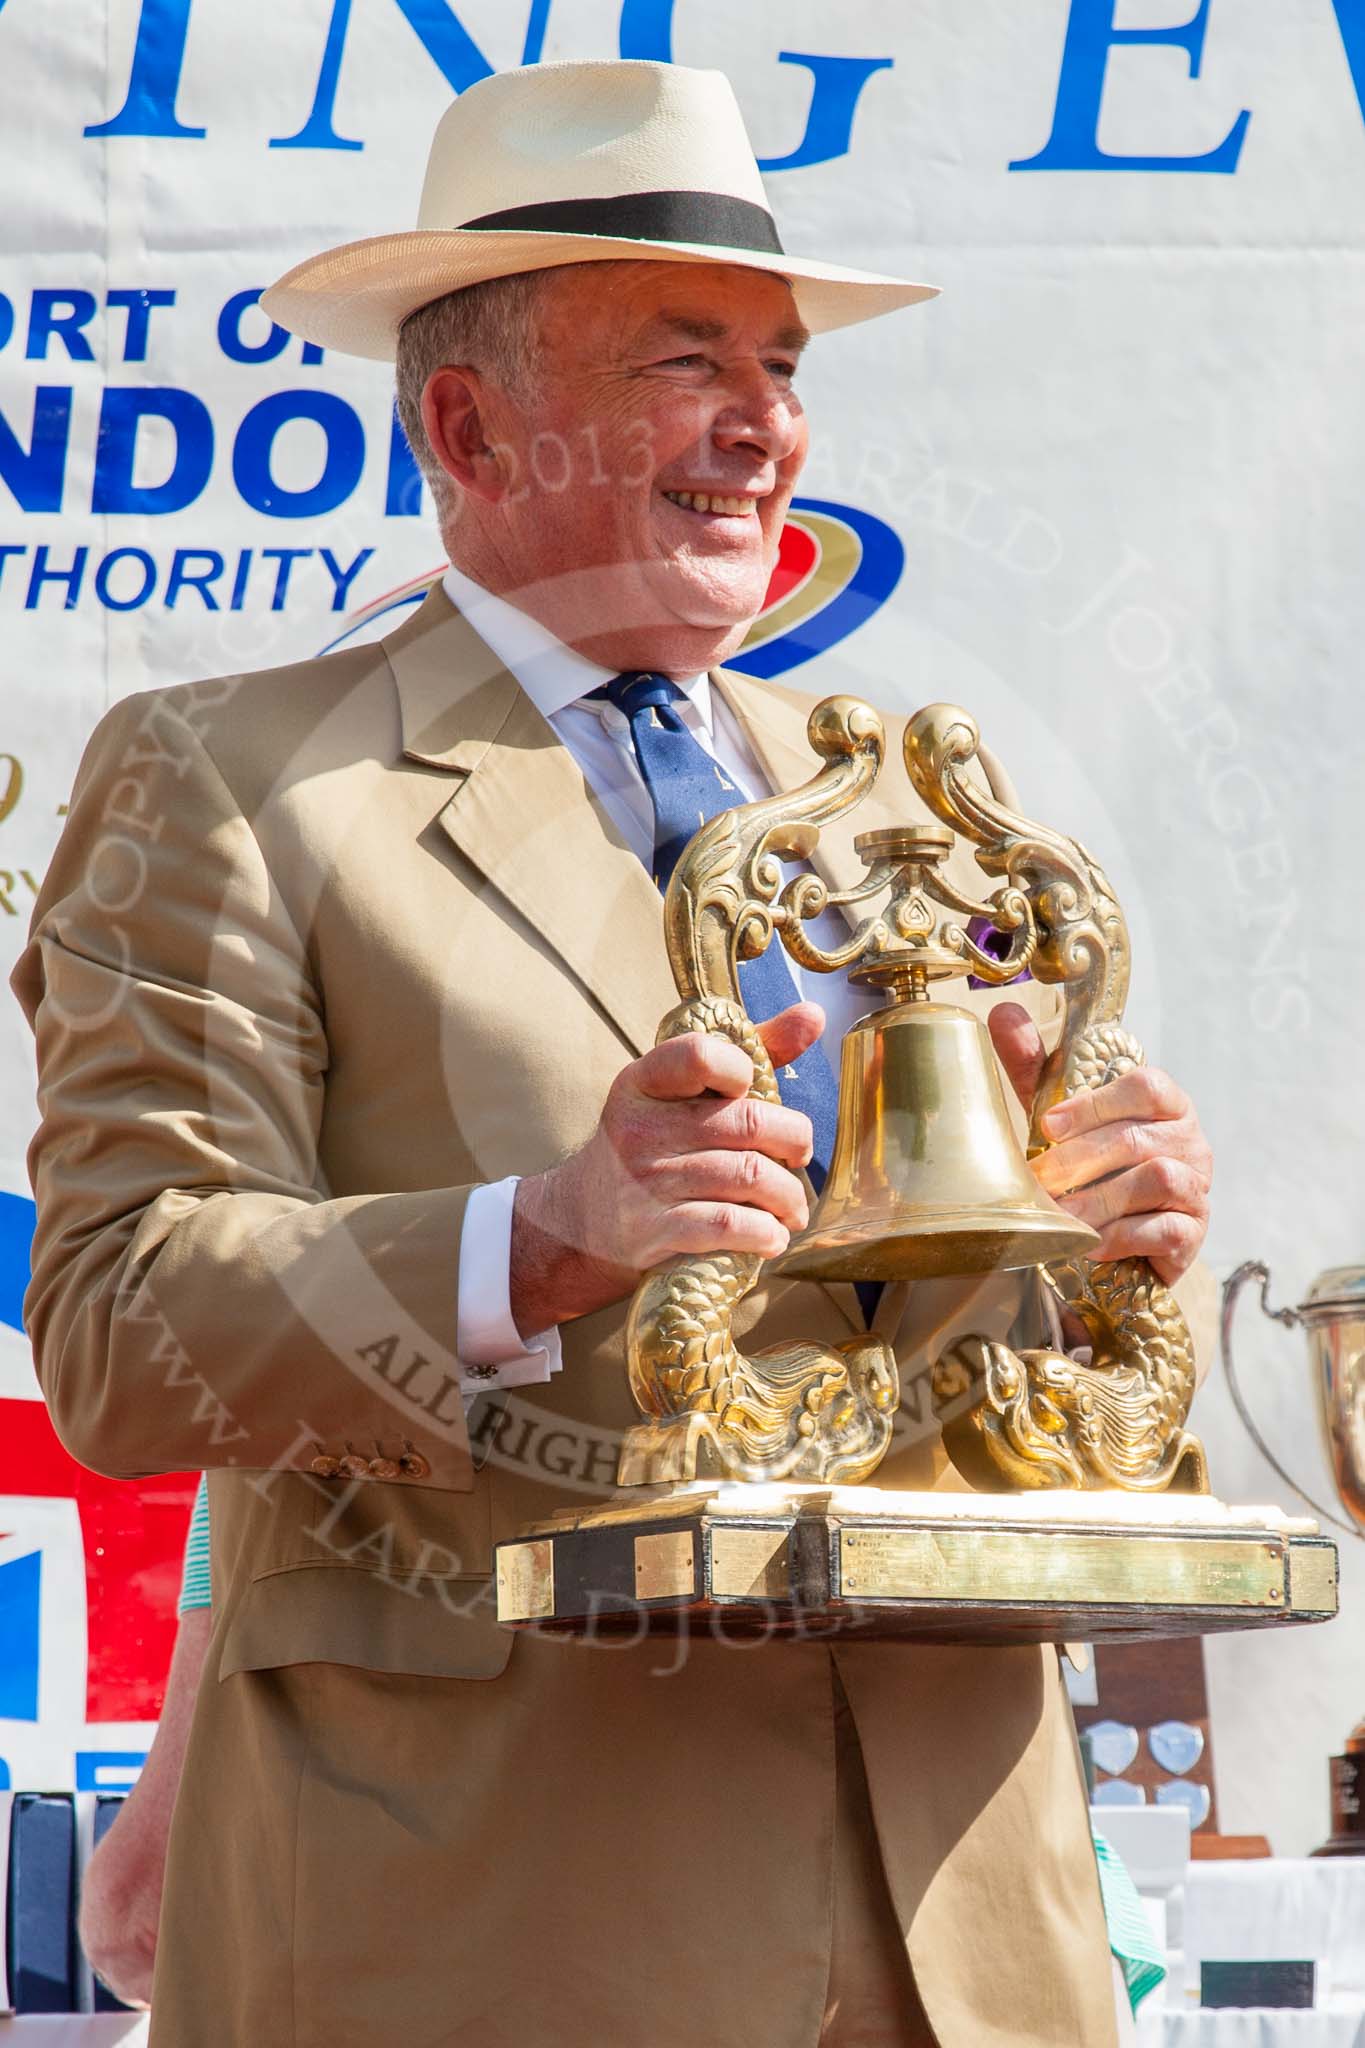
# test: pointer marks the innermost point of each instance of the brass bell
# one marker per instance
(928, 1177)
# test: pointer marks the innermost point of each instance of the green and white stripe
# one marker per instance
(1132, 1937)
(195, 1590)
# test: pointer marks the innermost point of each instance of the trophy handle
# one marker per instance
(795, 1411)
(1252, 1269)
(1046, 1419)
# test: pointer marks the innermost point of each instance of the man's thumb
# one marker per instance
(1018, 1047)
(790, 1032)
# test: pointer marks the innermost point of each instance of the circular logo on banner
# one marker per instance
(836, 565)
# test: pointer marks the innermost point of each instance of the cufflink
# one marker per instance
(479, 1372)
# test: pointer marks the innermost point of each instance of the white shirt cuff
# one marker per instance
(491, 1350)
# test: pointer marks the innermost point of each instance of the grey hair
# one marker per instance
(491, 327)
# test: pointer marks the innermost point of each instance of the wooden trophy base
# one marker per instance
(745, 1561)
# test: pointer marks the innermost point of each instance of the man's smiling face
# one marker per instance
(643, 479)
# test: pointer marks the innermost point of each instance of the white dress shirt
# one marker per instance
(557, 679)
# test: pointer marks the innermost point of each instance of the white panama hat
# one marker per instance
(572, 163)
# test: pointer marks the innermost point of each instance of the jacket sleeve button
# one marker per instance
(325, 1467)
(353, 1466)
(414, 1466)
(384, 1468)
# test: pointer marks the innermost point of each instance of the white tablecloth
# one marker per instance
(93, 2030)
(1252, 2027)
(1278, 1909)
(1281, 1908)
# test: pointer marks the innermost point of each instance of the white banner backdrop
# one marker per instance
(1124, 457)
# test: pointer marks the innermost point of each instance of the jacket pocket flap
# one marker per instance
(342, 1614)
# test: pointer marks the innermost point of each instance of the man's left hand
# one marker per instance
(1129, 1158)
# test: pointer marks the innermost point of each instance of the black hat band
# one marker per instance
(706, 217)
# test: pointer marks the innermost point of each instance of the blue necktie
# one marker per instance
(687, 787)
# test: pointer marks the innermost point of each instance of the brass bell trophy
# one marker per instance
(741, 1503)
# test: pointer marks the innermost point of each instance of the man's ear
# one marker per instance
(454, 417)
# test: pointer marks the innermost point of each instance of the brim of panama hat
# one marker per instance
(356, 297)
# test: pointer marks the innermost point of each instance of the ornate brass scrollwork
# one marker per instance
(799, 1411)
(1047, 1419)
(810, 1411)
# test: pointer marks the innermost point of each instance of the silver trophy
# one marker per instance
(1333, 1315)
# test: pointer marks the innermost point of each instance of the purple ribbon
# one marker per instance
(992, 940)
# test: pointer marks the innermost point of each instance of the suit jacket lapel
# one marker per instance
(523, 814)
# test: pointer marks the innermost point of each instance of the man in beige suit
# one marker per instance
(345, 980)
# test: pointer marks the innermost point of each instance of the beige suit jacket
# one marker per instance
(321, 950)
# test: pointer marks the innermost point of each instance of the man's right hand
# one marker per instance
(684, 1159)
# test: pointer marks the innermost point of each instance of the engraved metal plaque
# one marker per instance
(663, 1565)
(750, 1563)
(1313, 1577)
(1069, 1566)
(526, 1580)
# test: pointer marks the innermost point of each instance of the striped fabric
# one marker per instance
(194, 1580)
(1131, 1935)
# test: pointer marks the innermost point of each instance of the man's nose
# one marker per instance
(760, 415)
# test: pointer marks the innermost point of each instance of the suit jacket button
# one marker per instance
(325, 1467)
(353, 1466)
(384, 1468)
(414, 1466)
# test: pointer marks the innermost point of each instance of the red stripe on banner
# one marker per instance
(795, 559)
(134, 1536)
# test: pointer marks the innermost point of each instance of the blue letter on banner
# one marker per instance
(36, 474)
(154, 80)
(646, 31)
(47, 317)
(444, 38)
(230, 331)
(829, 124)
(121, 414)
(341, 467)
(1073, 144)
(1351, 22)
